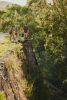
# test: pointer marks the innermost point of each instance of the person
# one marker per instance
(10, 33)
(13, 34)
(26, 32)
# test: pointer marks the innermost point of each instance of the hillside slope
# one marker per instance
(11, 73)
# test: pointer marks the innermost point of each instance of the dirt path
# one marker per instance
(2, 37)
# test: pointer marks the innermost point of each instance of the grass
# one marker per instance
(4, 46)
(7, 45)
(2, 96)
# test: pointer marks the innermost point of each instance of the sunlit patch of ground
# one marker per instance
(2, 96)
(6, 45)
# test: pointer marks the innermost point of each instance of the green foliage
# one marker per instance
(2, 96)
(48, 23)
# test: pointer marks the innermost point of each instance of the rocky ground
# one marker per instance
(11, 73)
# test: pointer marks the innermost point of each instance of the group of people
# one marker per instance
(14, 34)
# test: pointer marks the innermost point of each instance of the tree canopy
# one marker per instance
(48, 24)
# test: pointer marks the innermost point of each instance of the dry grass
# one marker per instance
(8, 45)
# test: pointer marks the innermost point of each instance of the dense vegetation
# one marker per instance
(47, 25)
